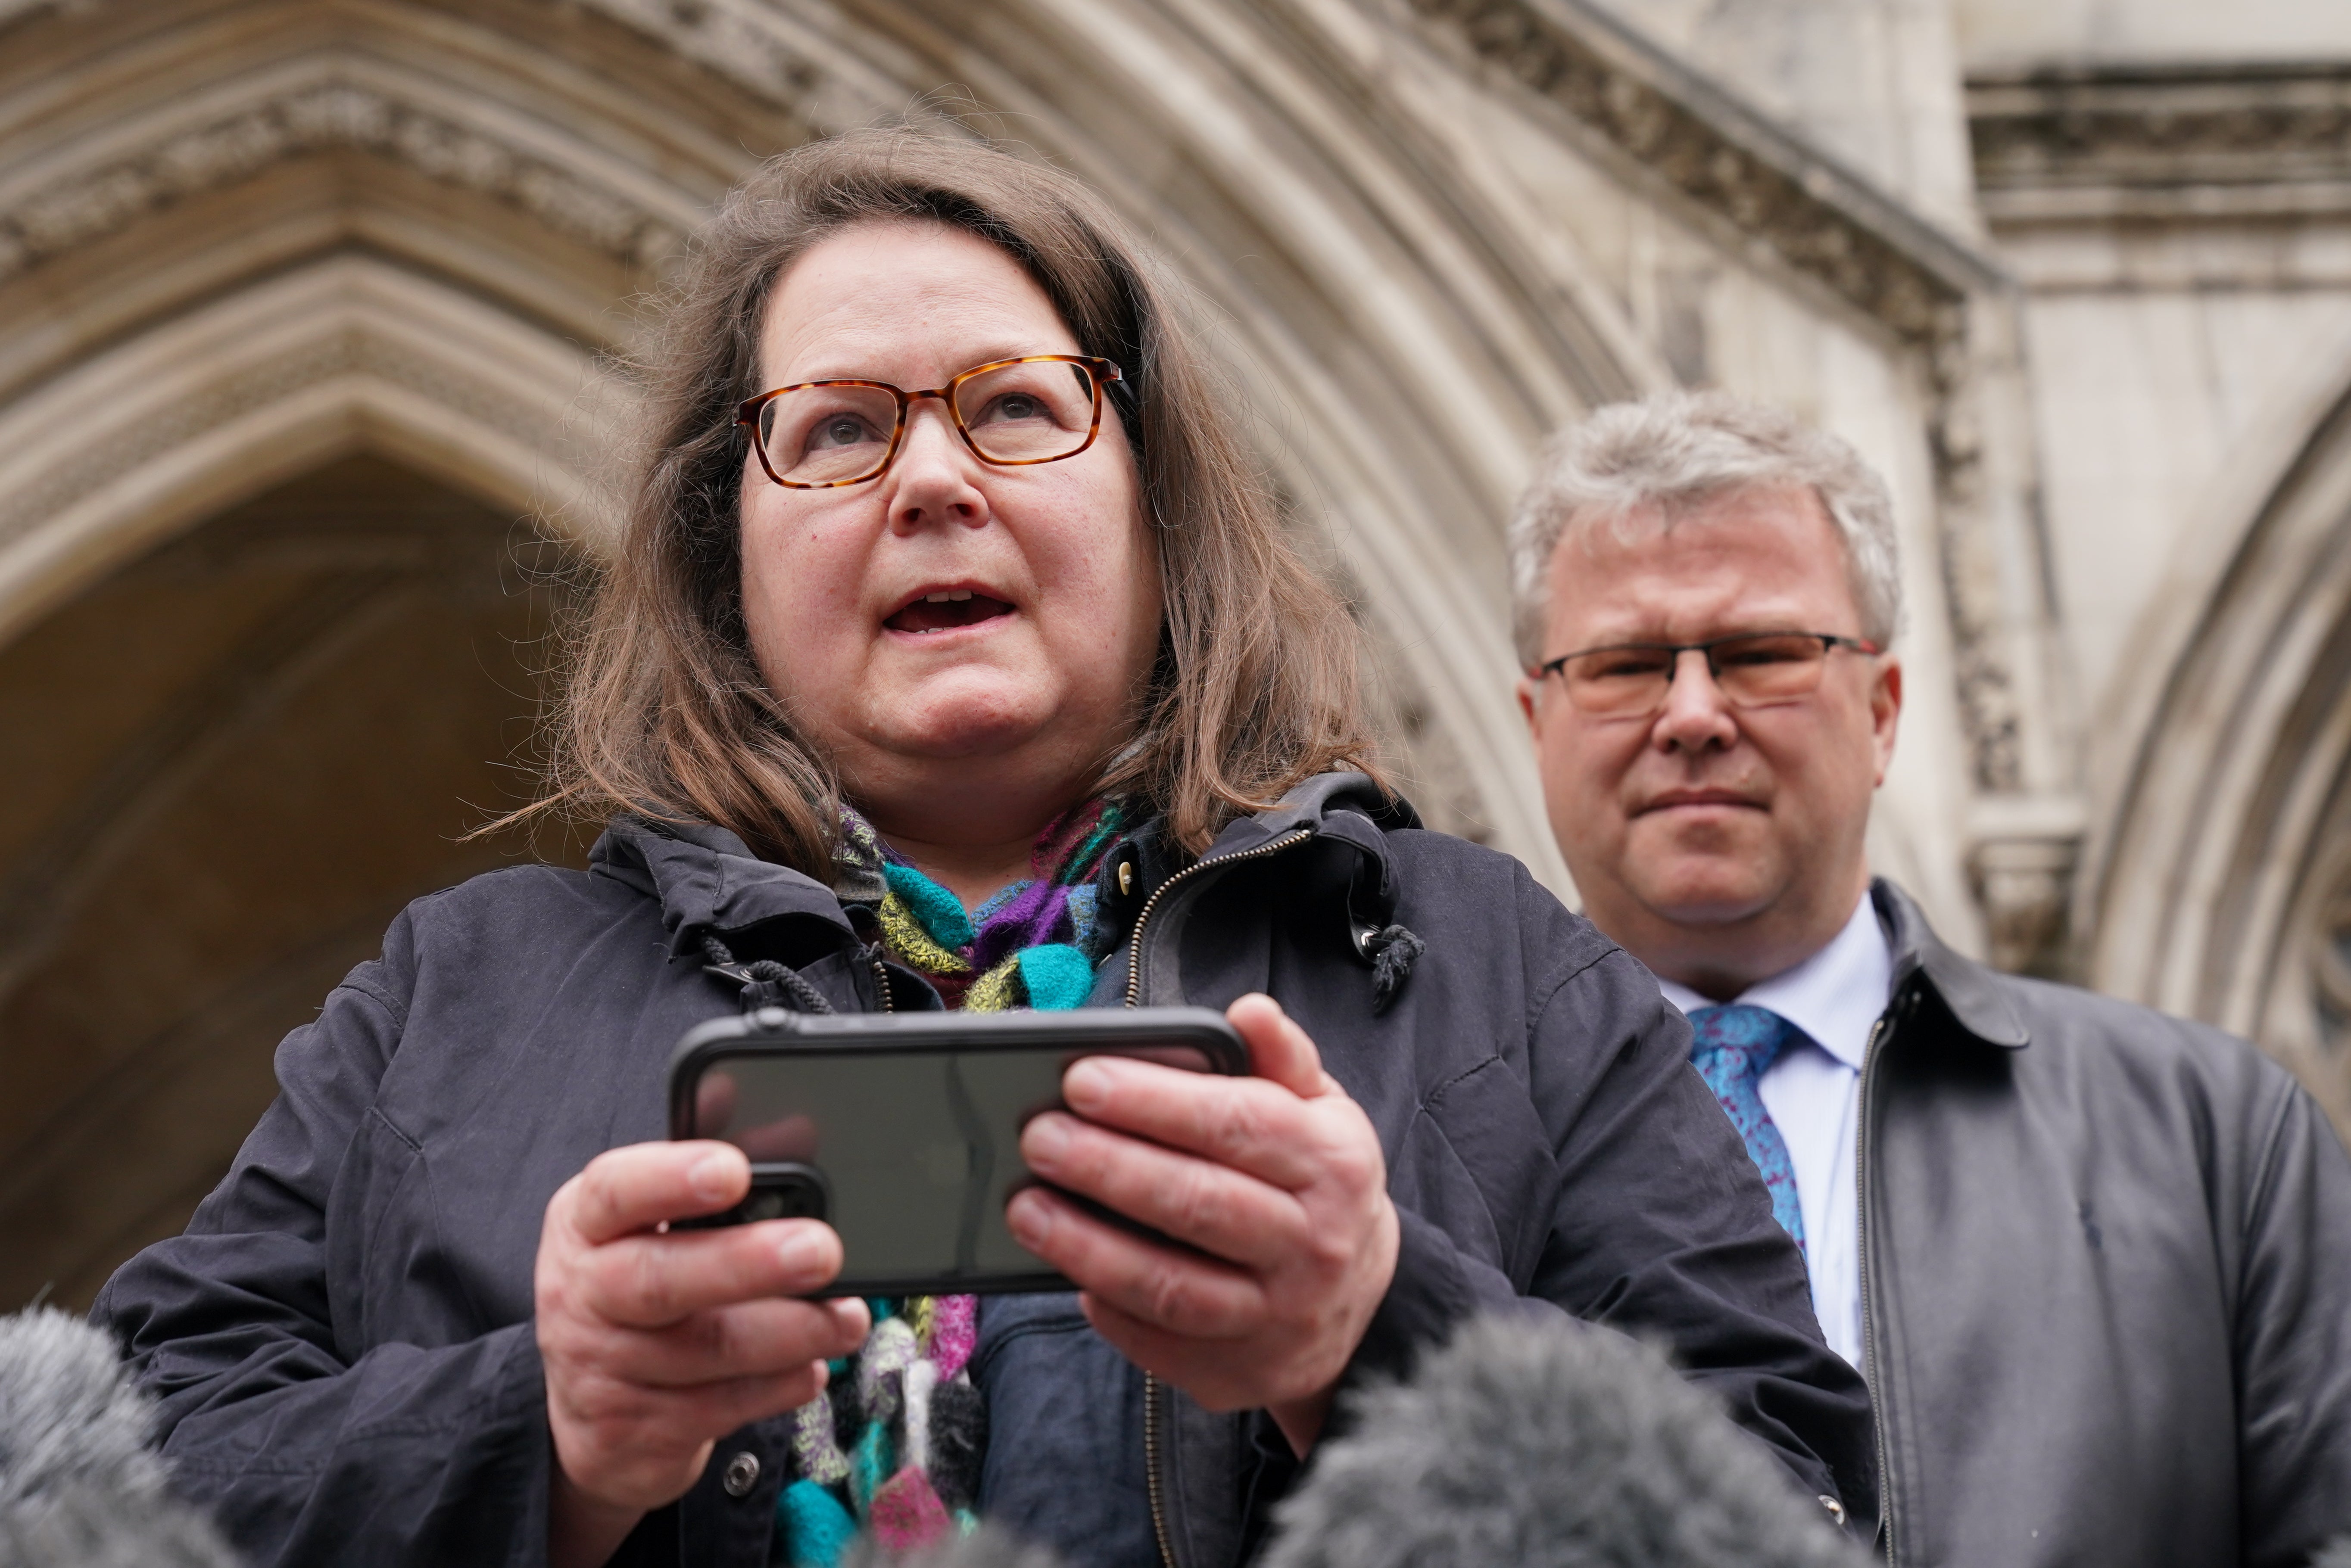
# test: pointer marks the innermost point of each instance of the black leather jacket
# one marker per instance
(2106, 1280)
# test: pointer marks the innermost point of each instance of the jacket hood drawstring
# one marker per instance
(1393, 950)
(765, 982)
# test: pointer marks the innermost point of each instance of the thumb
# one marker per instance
(1280, 1051)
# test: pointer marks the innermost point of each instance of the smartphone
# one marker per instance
(901, 1131)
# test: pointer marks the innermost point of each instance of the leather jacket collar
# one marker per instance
(1971, 993)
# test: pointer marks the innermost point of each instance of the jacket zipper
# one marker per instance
(1151, 1395)
(1134, 938)
(1151, 1471)
(1878, 1032)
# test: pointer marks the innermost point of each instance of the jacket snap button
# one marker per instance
(1126, 879)
(742, 1475)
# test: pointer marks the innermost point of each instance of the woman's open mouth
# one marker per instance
(943, 609)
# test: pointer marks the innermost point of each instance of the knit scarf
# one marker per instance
(893, 1446)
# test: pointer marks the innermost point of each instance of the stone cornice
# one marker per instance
(84, 205)
(1807, 211)
(2184, 143)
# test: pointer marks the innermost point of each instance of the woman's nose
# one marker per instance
(933, 476)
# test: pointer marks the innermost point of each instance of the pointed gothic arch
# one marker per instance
(2221, 890)
(1410, 337)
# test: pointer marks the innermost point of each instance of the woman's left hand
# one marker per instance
(1277, 1179)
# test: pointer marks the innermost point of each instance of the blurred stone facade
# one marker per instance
(313, 316)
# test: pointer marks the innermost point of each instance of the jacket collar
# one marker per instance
(1332, 802)
(1976, 996)
(706, 879)
(1346, 806)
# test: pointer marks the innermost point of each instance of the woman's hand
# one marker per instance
(656, 1346)
(1278, 1177)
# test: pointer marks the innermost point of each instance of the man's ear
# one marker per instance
(1886, 710)
(1529, 691)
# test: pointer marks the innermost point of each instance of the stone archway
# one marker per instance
(260, 740)
(132, 445)
(269, 267)
(1407, 334)
(2224, 889)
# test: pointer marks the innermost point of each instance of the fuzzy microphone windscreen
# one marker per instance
(1525, 1443)
(990, 1546)
(80, 1483)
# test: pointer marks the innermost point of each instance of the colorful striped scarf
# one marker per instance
(893, 1446)
(1031, 945)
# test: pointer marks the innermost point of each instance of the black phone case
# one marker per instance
(1105, 1031)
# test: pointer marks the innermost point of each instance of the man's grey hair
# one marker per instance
(1647, 463)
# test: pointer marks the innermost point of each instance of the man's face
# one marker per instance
(1718, 844)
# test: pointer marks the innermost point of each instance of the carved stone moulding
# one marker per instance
(2188, 142)
(1783, 196)
(87, 204)
(344, 355)
(2021, 865)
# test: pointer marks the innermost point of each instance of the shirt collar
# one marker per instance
(1835, 996)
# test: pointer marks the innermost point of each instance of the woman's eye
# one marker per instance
(1016, 406)
(838, 429)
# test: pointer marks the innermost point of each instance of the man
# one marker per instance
(2094, 1261)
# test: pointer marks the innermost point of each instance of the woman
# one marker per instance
(953, 655)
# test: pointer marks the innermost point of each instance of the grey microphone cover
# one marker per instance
(79, 1483)
(1528, 1442)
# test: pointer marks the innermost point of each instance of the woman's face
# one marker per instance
(974, 718)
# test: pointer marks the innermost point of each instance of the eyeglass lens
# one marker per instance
(836, 435)
(1750, 671)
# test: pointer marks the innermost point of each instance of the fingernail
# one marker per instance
(710, 1175)
(1027, 1220)
(1085, 1086)
(801, 1252)
(1046, 1140)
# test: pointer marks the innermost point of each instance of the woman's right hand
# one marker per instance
(658, 1345)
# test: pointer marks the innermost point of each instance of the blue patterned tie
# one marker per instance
(1732, 1048)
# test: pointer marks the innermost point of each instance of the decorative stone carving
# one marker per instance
(1807, 212)
(2189, 143)
(741, 43)
(2025, 887)
(271, 381)
(91, 203)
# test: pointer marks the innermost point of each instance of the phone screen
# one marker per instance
(918, 1149)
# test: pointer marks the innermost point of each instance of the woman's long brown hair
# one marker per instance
(664, 712)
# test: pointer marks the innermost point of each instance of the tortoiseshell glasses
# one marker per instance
(1039, 408)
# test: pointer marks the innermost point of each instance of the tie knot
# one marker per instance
(1746, 1039)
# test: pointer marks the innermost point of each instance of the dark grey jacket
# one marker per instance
(342, 1340)
(2107, 1280)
